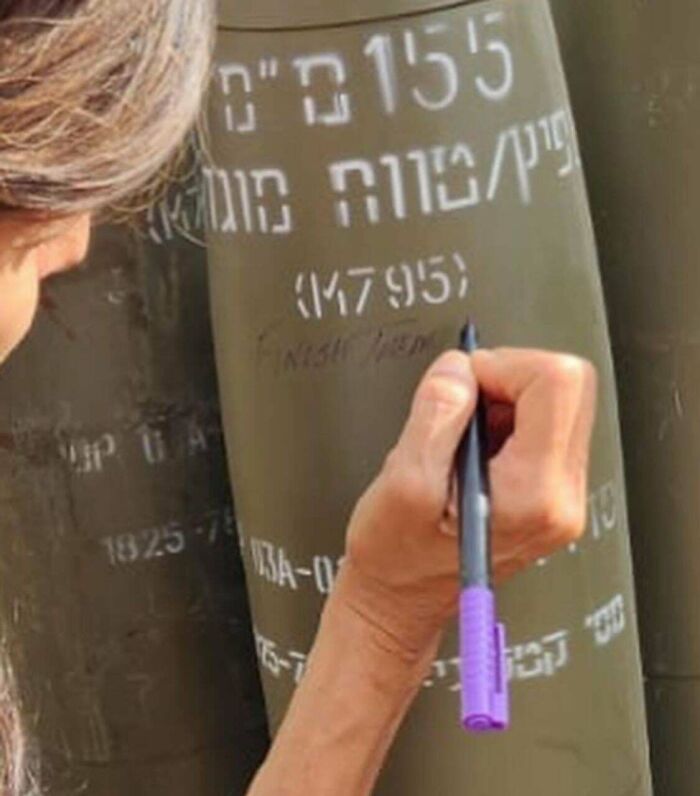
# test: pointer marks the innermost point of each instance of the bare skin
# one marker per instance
(382, 624)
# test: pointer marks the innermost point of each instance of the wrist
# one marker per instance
(359, 683)
(399, 623)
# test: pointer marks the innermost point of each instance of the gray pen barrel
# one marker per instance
(637, 103)
(374, 182)
(474, 514)
(123, 612)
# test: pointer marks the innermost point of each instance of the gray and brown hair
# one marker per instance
(95, 96)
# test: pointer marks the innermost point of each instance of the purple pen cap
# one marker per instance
(485, 703)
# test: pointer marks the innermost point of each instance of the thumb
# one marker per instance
(442, 406)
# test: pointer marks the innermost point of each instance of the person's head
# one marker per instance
(95, 96)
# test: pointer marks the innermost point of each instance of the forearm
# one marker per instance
(358, 686)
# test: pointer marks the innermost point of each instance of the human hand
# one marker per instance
(401, 566)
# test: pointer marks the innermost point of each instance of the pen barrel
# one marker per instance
(474, 518)
(474, 503)
(482, 656)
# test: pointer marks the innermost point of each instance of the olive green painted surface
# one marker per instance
(674, 709)
(372, 185)
(634, 70)
(123, 610)
(270, 14)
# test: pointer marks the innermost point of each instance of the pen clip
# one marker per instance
(500, 703)
(485, 701)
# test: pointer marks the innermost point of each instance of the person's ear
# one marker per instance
(65, 249)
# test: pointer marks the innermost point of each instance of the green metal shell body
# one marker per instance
(280, 15)
(372, 185)
(634, 73)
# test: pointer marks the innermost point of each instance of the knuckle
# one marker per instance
(556, 519)
(590, 373)
(446, 391)
(392, 462)
(571, 525)
(566, 372)
(405, 487)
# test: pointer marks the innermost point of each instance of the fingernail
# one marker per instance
(447, 388)
(450, 381)
(453, 365)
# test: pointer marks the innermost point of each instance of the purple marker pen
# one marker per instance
(485, 703)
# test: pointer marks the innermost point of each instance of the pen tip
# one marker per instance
(469, 338)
